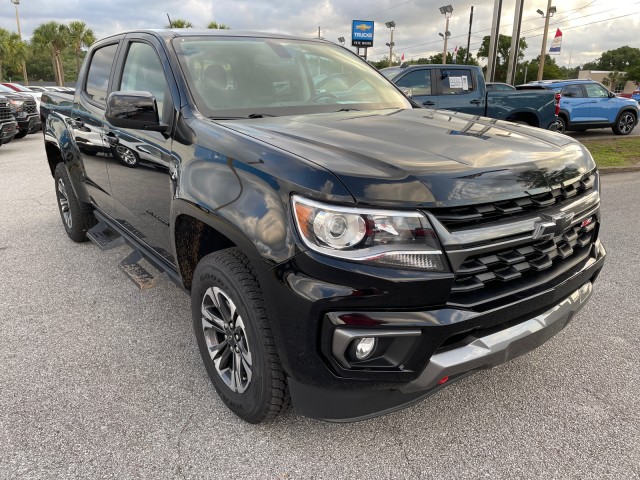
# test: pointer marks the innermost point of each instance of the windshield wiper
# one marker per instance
(349, 110)
(253, 115)
(260, 115)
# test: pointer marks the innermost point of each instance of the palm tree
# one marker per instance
(54, 37)
(218, 26)
(179, 23)
(80, 36)
(4, 48)
(16, 50)
(613, 80)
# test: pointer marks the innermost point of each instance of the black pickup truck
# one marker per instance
(8, 125)
(342, 249)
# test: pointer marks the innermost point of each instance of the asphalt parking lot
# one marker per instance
(101, 380)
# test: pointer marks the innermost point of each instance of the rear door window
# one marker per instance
(573, 91)
(99, 72)
(456, 81)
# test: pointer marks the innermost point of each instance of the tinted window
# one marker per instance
(596, 91)
(99, 71)
(504, 88)
(456, 81)
(573, 91)
(419, 81)
(143, 72)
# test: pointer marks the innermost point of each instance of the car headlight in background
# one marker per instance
(17, 104)
(380, 237)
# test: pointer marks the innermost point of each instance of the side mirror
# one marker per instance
(134, 110)
(612, 95)
(407, 92)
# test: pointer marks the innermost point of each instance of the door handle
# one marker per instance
(475, 102)
(78, 123)
(429, 103)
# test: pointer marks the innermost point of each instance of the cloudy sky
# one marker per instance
(589, 26)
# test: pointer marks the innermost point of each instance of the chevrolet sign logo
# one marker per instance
(550, 226)
(363, 27)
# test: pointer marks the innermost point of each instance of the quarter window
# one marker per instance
(99, 72)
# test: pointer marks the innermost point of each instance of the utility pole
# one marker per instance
(318, 31)
(391, 49)
(493, 43)
(447, 10)
(466, 60)
(24, 65)
(544, 42)
(515, 43)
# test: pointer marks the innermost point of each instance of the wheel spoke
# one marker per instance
(210, 320)
(218, 350)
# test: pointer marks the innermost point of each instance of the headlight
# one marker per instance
(17, 104)
(380, 237)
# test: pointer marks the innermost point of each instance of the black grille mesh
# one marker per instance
(457, 218)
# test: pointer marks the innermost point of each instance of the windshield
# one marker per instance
(4, 88)
(231, 77)
(20, 88)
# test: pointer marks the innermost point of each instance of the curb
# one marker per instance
(608, 170)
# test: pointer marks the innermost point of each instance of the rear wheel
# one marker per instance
(21, 134)
(624, 124)
(561, 124)
(77, 217)
(234, 337)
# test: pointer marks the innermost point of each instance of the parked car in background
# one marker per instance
(26, 91)
(499, 87)
(586, 104)
(8, 125)
(36, 88)
(24, 109)
(462, 88)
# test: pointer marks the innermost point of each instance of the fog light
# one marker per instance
(365, 347)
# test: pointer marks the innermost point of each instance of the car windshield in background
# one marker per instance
(391, 72)
(237, 77)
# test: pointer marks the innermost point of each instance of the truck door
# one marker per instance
(419, 82)
(458, 90)
(87, 125)
(142, 166)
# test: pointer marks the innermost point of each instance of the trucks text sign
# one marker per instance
(362, 33)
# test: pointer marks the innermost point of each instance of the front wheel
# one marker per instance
(21, 134)
(77, 217)
(624, 124)
(234, 337)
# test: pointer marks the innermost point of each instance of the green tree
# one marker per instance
(80, 36)
(551, 70)
(619, 59)
(4, 48)
(218, 26)
(502, 57)
(54, 38)
(179, 23)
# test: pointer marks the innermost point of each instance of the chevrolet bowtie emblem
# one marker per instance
(363, 27)
(550, 226)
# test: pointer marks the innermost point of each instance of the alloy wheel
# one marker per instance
(626, 123)
(127, 155)
(226, 339)
(64, 203)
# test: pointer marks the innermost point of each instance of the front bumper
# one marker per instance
(473, 353)
(7, 131)
(430, 341)
(29, 124)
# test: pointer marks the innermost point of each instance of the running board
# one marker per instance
(105, 237)
(136, 272)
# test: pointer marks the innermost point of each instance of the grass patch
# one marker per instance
(614, 152)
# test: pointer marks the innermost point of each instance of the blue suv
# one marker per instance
(587, 104)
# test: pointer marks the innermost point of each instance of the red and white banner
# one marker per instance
(556, 45)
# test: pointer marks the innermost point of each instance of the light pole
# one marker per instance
(445, 37)
(550, 11)
(391, 26)
(447, 10)
(24, 66)
(341, 40)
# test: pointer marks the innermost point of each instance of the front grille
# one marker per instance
(492, 272)
(30, 108)
(463, 217)
(5, 112)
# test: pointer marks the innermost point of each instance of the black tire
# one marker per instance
(77, 217)
(21, 134)
(625, 123)
(562, 124)
(224, 283)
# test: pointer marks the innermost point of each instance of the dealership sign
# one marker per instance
(362, 33)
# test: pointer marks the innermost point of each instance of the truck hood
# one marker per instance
(424, 157)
